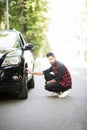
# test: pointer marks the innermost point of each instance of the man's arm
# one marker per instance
(61, 71)
(31, 72)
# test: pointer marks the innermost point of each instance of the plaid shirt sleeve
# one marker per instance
(47, 71)
(59, 70)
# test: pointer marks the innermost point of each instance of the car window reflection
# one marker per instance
(9, 40)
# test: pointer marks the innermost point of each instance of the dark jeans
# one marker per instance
(53, 87)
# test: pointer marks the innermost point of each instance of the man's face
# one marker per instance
(52, 59)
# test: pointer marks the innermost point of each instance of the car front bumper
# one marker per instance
(11, 78)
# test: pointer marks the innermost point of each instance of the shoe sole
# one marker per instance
(54, 95)
(64, 95)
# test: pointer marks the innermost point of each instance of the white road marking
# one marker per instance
(77, 73)
(83, 77)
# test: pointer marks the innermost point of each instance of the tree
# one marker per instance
(37, 22)
(2, 12)
(29, 17)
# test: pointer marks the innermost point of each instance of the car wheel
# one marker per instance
(31, 83)
(23, 93)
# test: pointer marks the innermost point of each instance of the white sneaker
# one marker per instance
(53, 95)
(64, 94)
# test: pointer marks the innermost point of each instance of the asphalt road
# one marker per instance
(40, 112)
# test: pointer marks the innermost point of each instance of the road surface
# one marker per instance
(40, 112)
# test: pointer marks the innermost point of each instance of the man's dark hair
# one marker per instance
(50, 54)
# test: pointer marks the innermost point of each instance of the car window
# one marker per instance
(22, 40)
(9, 40)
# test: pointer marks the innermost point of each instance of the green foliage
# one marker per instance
(36, 22)
(2, 12)
(29, 17)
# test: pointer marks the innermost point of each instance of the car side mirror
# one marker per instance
(28, 46)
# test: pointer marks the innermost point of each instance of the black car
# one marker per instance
(15, 56)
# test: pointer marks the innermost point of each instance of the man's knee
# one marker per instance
(49, 87)
(49, 77)
(46, 87)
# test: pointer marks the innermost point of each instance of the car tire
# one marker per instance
(23, 93)
(31, 83)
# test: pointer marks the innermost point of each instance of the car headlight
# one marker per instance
(11, 61)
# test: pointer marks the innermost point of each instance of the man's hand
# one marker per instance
(31, 72)
(51, 81)
(28, 71)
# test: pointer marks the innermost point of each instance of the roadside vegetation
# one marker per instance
(30, 18)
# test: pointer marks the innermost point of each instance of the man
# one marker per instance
(60, 81)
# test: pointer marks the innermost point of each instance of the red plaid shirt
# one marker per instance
(62, 74)
(66, 80)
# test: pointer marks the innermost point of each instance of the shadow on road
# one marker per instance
(6, 96)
